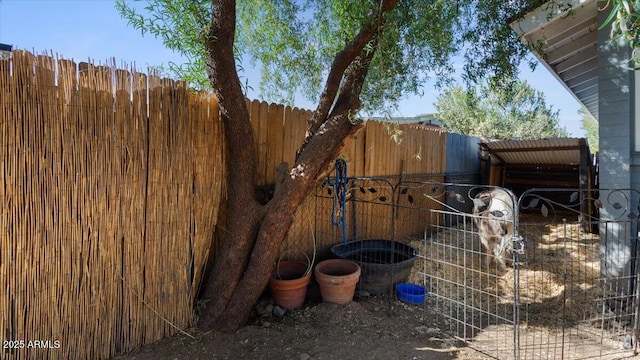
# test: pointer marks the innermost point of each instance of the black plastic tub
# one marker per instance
(384, 263)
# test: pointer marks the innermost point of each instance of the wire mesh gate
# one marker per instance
(569, 290)
(578, 279)
(465, 288)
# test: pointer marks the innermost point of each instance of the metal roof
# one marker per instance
(566, 44)
(556, 151)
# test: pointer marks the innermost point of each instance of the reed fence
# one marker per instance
(111, 183)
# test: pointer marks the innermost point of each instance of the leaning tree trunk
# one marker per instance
(254, 232)
(239, 280)
(274, 225)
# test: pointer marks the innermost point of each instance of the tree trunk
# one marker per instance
(243, 212)
(232, 301)
(254, 232)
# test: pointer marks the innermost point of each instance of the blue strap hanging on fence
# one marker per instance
(340, 197)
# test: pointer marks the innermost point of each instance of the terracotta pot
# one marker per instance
(288, 284)
(337, 279)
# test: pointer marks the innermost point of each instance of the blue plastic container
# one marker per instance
(410, 293)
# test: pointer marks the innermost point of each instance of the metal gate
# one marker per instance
(570, 288)
(473, 296)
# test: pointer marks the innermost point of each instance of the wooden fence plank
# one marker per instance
(275, 134)
(262, 139)
(289, 129)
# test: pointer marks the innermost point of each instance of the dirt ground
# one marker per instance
(366, 328)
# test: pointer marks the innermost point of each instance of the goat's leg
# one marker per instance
(502, 248)
(487, 258)
(501, 264)
(487, 249)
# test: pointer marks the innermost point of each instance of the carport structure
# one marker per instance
(558, 163)
(523, 164)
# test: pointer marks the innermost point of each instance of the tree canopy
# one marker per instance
(624, 18)
(495, 113)
(295, 42)
(590, 126)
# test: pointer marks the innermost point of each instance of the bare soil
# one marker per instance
(366, 328)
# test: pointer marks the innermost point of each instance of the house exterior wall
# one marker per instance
(615, 84)
(635, 161)
(619, 165)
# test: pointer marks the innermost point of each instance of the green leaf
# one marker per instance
(612, 15)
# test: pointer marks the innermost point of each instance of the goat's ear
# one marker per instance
(479, 203)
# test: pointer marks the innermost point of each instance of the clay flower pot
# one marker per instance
(288, 284)
(337, 279)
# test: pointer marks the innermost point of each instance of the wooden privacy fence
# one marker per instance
(111, 183)
(373, 153)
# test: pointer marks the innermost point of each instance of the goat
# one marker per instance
(493, 212)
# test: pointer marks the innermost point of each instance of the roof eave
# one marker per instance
(563, 37)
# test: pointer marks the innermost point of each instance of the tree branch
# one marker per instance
(340, 126)
(340, 64)
(348, 100)
(330, 136)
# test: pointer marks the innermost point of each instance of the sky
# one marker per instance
(92, 30)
